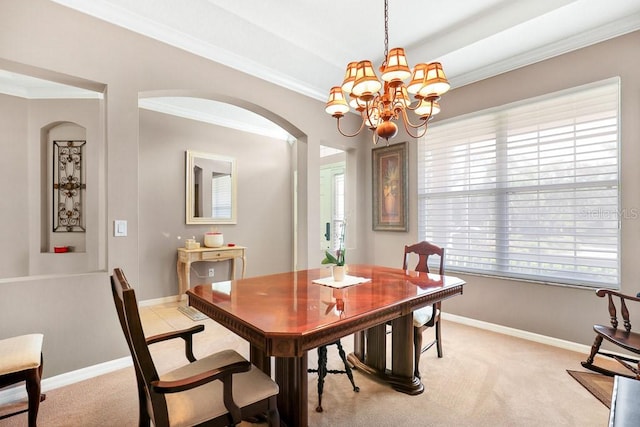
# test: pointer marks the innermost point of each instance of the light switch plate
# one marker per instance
(119, 228)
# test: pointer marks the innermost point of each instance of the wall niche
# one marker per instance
(68, 174)
(66, 149)
(47, 116)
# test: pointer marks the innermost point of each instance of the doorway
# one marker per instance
(332, 196)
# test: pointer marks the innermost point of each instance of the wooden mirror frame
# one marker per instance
(193, 159)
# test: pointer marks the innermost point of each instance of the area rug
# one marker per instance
(601, 386)
(191, 313)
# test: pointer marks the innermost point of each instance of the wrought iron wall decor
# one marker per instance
(68, 187)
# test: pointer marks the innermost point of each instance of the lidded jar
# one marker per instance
(213, 239)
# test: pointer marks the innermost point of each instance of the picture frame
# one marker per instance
(390, 187)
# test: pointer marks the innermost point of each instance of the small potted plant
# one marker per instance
(338, 259)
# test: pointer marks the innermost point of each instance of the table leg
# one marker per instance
(260, 360)
(232, 273)
(370, 351)
(374, 361)
(183, 277)
(358, 345)
(402, 378)
(376, 353)
(291, 376)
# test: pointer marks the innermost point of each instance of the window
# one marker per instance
(529, 190)
(338, 209)
(221, 195)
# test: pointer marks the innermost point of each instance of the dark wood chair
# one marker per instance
(323, 371)
(428, 316)
(623, 337)
(218, 390)
(21, 360)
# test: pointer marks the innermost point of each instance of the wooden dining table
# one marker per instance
(287, 314)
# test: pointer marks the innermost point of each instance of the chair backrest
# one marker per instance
(424, 250)
(127, 307)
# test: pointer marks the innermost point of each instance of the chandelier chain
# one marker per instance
(386, 32)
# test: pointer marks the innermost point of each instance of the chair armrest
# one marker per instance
(604, 292)
(197, 380)
(613, 310)
(185, 334)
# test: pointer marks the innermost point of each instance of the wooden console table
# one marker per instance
(223, 253)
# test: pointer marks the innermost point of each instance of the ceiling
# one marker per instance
(305, 45)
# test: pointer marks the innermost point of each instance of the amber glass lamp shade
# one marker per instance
(435, 81)
(427, 108)
(349, 77)
(396, 68)
(336, 104)
(366, 84)
(417, 78)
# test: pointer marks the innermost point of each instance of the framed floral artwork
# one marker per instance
(390, 182)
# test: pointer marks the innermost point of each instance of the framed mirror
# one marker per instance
(211, 182)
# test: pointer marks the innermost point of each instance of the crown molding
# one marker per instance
(218, 119)
(609, 31)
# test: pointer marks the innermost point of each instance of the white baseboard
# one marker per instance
(543, 339)
(157, 301)
(19, 392)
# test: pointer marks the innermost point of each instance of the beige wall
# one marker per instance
(265, 209)
(14, 257)
(75, 312)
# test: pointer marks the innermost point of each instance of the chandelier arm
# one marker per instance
(407, 122)
(349, 135)
(369, 106)
(418, 99)
(421, 130)
(366, 117)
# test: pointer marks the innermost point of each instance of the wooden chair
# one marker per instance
(21, 360)
(624, 337)
(323, 371)
(428, 316)
(217, 390)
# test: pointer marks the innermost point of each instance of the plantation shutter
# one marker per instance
(528, 190)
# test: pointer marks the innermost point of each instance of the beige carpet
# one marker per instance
(484, 379)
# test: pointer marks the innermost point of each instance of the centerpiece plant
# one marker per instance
(339, 258)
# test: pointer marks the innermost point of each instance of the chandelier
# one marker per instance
(380, 110)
